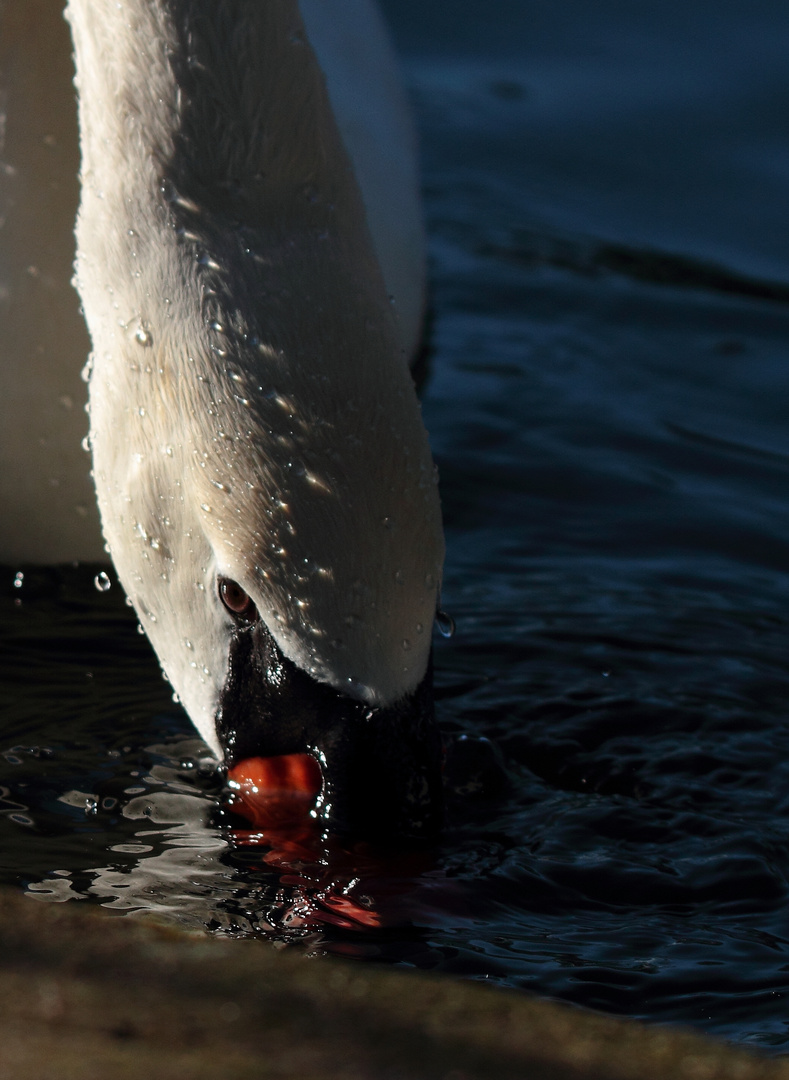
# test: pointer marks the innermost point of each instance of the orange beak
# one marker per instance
(271, 791)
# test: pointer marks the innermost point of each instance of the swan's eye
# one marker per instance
(237, 602)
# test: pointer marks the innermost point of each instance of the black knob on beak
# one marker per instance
(381, 767)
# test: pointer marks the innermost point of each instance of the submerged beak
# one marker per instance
(381, 767)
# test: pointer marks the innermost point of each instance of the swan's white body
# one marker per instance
(252, 412)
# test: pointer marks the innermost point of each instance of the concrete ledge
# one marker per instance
(87, 995)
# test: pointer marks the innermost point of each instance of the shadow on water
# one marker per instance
(607, 404)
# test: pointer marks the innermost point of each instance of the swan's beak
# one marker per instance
(381, 766)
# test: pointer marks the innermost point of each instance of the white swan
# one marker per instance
(263, 475)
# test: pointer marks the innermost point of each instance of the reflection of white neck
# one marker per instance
(44, 485)
(252, 413)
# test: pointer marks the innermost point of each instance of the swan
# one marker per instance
(262, 472)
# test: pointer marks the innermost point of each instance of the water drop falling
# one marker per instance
(102, 582)
(445, 624)
(19, 579)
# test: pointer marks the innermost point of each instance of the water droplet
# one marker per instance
(316, 481)
(86, 444)
(188, 643)
(358, 689)
(19, 579)
(206, 260)
(205, 507)
(102, 582)
(387, 523)
(420, 629)
(406, 644)
(445, 624)
(144, 337)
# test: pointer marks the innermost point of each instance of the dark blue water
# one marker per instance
(606, 191)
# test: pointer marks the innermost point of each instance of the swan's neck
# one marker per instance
(170, 129)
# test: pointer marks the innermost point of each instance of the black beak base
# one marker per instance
(382, 767)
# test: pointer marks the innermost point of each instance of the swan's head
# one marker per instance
(277, 528)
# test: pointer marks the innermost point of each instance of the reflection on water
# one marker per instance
(173, 851)
(162, 853)
(606, 197)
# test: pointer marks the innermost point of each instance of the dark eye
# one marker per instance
(237, 602)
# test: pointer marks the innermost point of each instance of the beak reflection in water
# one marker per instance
(327, 884)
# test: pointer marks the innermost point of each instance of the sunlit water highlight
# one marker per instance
(606, 195)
